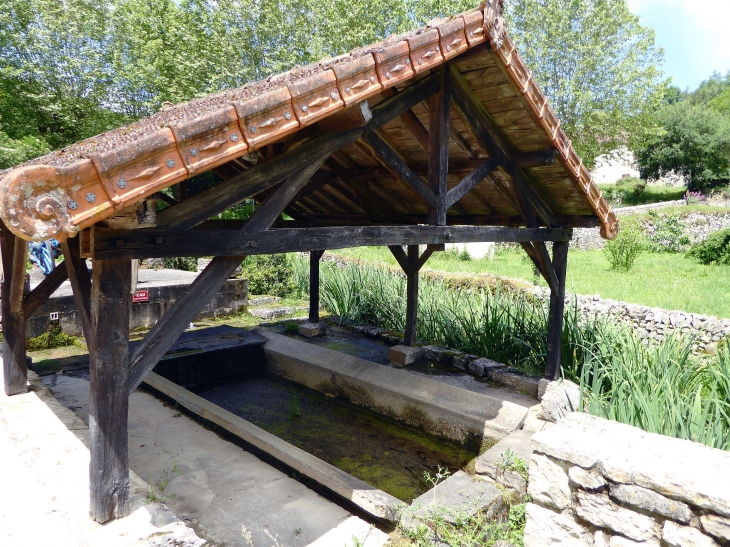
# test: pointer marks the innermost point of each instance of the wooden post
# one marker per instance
(438, 147)
(109, 390)
(314, 257)
(555, 317)
(411, 296)
(15, 369)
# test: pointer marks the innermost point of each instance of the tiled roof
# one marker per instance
(73, 188)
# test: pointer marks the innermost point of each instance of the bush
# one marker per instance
(54, 337)
(668, 234)
(269, 274)
(713, 250)
(184, 263)
(623, 250)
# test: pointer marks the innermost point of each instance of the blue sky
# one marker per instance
(695, 35)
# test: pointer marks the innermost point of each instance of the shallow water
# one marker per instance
(387, 455)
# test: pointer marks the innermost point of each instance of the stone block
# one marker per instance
(512, 378)
(628, 455)
(651, 501)
(546, 528)
(676, 535)
(548, 483)
(620, 541)
(459, 495)
(311, 330)
(492, 462)
(462, 361)
(405, 355)
(482, 366)
(717, 527)
(557, 399)
(588, 480)
(602, 512)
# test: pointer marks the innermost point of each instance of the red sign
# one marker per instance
(141, 296)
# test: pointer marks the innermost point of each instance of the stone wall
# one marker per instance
(697, 225)
(596, 483)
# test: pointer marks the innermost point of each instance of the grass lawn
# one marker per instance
(668, 281)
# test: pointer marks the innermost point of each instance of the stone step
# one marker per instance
(495, 465)
(275, 313)
(461, 495)
(261, 300)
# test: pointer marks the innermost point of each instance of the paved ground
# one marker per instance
(227, 495)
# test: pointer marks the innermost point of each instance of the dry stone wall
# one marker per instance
(597, 483)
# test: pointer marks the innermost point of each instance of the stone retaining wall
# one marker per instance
(596, 483)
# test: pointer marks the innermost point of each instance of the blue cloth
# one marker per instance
(43, 253)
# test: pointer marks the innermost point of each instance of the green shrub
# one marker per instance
(623, 250)
(464, 255)
(713, 250)
(669, 234)
(269, 274)
(54, 337)
(184, 263)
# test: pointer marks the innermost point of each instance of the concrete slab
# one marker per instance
(223, 492)
(461, 495)
(491, 463)
(438, 408)
(405, 355)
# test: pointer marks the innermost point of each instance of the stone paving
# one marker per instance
(219, 491)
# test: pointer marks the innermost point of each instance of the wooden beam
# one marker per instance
(468, 183)
(438, 147)
(400, 257)
(167, 243)
(474, 114)
(108, 390)
(409, 336)
(220, 197)
(555, 315)
(15, 368)
(17, 279)
(78, 275)
(50, 284)
(411, 122)
(174, 322)
(398, 167)
(314, 258)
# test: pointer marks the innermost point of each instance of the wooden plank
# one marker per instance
(555, 315)
(474, 114)
(398, 167)
(438, 147)
(108, 390)
(409, 337)
(314, 260)
(80, 280)
(218, 198)
(50, 284)
(163, 243)
(17, 279)
(15, 368)
(174, 322)
(468, 183)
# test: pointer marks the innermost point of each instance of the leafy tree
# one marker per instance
(597, 65)
(693, 141)
(710, 88)
(721, 103)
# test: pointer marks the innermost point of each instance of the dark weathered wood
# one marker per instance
(398, 167)
(50, 284)
(409, 337)
(314, 258)
(80, 280)
(17, 279)
(555, 317)
(468, 183)
(438, 147)
(426, 255)
(474, 114)
(411, 122)
(173, 323)
(400, 257)
(539, 158)
(108, 390)
(15, 368)
(214, 200)
(163, 243)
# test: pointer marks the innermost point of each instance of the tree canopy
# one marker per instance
(596, 63)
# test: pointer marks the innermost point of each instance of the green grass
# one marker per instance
(681, 211)
(652, 194)
(663, 280)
